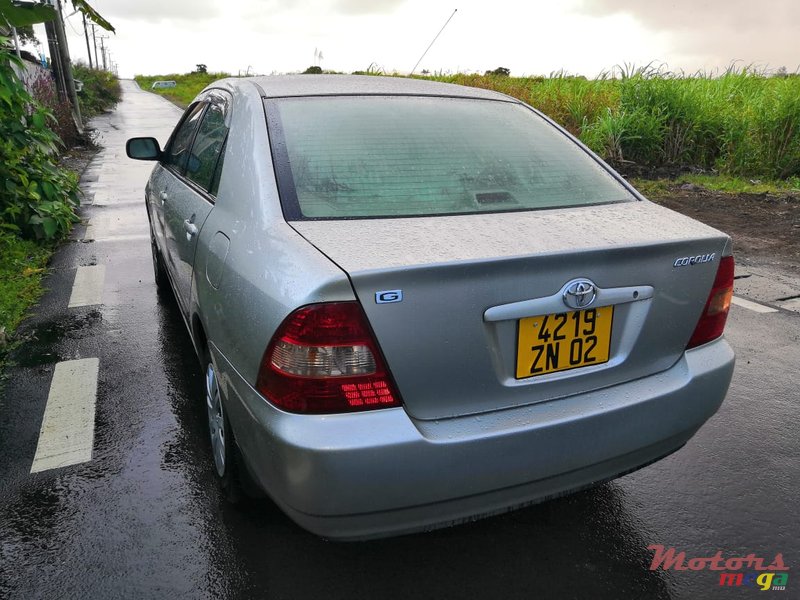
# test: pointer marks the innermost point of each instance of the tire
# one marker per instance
(159, 272)
(231, 473)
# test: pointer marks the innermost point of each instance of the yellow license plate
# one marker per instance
(563, 341)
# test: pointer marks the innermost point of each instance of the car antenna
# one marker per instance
(434, 41)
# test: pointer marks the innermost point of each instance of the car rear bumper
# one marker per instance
(381, 473)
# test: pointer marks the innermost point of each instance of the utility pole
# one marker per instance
(88, 48)
(16, 40)
(103, 51)
(94, 40)
(55, 60)
(66, 66)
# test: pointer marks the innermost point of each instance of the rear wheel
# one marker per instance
(232, 475)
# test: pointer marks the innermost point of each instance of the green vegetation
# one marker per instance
(22, 264)
(741, 124)
(101, 90)
(659, 188)
(38, 198)
(186, 88)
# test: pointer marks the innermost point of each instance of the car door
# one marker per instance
(164, 183)
(191, 195)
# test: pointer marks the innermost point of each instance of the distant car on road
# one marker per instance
(163, 84)
(417, 303)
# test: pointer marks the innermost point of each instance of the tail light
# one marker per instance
(712, 322)
(324, 359)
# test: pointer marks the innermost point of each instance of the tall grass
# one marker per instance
(741, 122)
(572, 101)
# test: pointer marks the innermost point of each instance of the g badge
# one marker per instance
(388, 296)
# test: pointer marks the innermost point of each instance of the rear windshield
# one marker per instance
(375, 156)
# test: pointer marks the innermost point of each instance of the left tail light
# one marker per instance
(324, 359)
(712, 321)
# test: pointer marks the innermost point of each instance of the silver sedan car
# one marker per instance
(419, 303)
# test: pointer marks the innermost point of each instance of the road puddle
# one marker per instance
(39, 345)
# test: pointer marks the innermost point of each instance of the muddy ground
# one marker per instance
(765, 228)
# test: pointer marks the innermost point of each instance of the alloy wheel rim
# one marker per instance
(216, 420)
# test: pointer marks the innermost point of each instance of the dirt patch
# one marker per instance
(765, 228)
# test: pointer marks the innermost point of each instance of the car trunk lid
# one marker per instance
(444, 295)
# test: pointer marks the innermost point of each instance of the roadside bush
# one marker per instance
(37, 198)
(101, 90)
(43, 89)
(499, 72)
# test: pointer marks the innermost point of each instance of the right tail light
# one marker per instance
(712, 321)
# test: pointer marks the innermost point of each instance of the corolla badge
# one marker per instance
(580, 293)
(688, 261)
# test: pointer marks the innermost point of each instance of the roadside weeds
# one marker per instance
(23, 267)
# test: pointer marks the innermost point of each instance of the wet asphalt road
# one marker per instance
(143, 518)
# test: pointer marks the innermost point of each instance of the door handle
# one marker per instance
(190, 228)
(164, 196)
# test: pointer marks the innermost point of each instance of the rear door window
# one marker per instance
(205, 159)
(393, 156)
(177, 153)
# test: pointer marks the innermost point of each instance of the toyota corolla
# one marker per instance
(418, 303)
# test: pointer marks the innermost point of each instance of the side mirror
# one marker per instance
(143, 148)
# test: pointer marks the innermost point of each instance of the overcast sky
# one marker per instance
(529, 37)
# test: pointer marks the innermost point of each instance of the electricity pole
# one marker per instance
(66, 66)
(16, 40)
(55, 60)
(103, 51)
(94, 40)
(88, 48)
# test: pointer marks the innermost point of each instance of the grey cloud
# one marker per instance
(719, 31)
(159, 10)
(366, 7)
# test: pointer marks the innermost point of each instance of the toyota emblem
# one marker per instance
(580, 293)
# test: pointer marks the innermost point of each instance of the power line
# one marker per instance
(71, 26)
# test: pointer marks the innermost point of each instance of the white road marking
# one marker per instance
(133, 237)
(759, 308)
(67, 432)
(88, 287)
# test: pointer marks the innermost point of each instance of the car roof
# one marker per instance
(277, 86)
